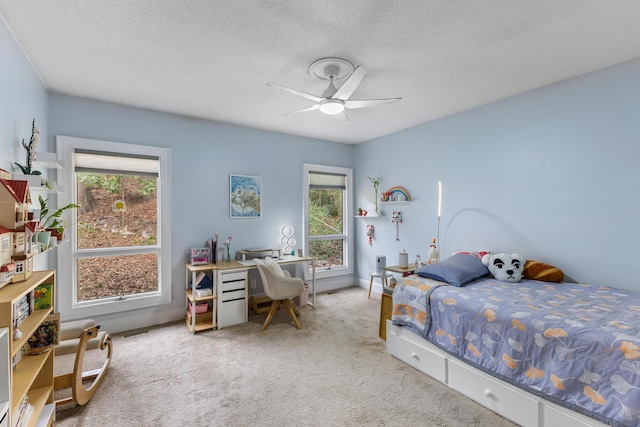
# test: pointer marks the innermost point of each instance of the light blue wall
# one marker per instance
(203, 154)
(552, 174)
(22, 99)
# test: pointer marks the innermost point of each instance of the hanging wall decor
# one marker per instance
(370, 232)
(245, 196)
(288, 240)
(396, 218)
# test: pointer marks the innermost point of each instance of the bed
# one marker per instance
(538, 353)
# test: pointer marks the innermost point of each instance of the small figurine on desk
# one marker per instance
(433, 255)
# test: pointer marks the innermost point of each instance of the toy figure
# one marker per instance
(433, 255)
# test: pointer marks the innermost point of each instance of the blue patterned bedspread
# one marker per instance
(574, 344)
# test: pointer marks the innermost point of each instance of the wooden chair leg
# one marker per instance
(79, 394)
(292, 312)
(272, 311)
(370, 284)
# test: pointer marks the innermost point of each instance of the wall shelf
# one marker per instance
(399, 202)
(396, 195)
(48, 160)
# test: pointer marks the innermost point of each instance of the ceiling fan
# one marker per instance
(334, 101)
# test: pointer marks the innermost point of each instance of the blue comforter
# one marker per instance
(574, 344)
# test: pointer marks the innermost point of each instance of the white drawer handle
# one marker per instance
(414, 355)
(488, 393)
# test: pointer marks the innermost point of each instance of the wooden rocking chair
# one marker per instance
(77, 337)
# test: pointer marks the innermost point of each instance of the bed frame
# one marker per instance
(519, 406)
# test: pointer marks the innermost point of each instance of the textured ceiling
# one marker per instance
(212, 59)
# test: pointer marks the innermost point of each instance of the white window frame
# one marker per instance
(65, 275)
(347, 236)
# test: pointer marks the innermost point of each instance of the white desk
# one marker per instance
(231, 290)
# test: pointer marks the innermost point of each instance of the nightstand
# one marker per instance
(386, 308)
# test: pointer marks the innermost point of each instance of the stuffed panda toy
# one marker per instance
(505, 267)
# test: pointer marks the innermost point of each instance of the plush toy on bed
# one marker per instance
(505, 267)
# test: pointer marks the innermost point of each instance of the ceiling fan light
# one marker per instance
(332, 106)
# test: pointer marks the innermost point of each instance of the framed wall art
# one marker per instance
(245, 196)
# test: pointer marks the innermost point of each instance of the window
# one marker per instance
(119, 253)
(327, 229)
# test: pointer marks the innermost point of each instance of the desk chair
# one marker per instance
(383, 280)
(280, 287)
(77, 337)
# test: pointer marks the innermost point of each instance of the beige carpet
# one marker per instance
(332, 372)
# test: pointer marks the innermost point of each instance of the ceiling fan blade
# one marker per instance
(296, 92)
(304, 110)
(341, 116)
(366, 103)
(348, 87)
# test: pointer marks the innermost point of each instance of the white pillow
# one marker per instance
(273, 266)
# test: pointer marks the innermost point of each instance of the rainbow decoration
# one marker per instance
(396, 194)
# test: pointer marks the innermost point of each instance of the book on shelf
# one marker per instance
(42, 297)
(203, 292)
(20, 319)
(18, 356)
(21, 310)
(212, 245)
(23, 413)
(199, 278)
(22, 304)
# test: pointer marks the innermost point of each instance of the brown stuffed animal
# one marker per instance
(537, 270)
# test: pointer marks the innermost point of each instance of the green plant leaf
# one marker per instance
(22, 168)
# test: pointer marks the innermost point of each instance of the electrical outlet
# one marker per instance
(252, 284)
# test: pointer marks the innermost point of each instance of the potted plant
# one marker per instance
(50, 220)
(30, 148)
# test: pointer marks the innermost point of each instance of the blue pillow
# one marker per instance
(456, 270)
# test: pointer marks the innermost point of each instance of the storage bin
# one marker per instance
(302, 299)
(201, 307)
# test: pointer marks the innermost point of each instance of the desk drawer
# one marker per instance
(232, 313)
(504, 400)
(230, 277)
(233, 286)
(233, 295)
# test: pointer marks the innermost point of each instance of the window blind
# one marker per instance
(112, 163)
(327, 180)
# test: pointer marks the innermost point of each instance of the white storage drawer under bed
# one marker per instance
(406, 346)
(495, 396)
